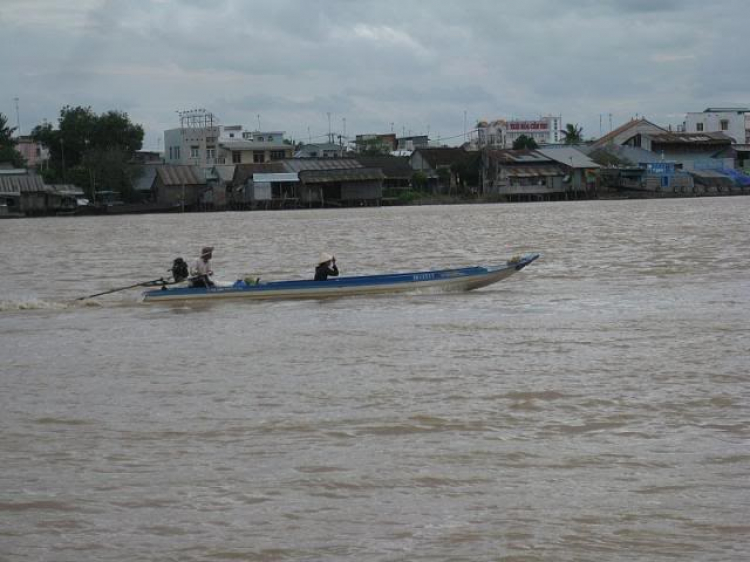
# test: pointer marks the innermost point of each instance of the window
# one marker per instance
(259, 156)
(170, 153)
(259, 139)
(277, 155)
(236, 157)
(210, 152)
(699, 127)
(194, 151)
(231, 135)
(270, 138)
(210, 140)
(724, 123)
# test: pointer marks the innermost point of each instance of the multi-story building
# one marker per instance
(386, 143)
(732, 121)
(413, 142)
(201, 141)
(237, 146)
(195, 142)
(503, 133)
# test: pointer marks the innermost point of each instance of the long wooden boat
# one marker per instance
(460, 279)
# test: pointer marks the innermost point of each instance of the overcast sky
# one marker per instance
(409, 65)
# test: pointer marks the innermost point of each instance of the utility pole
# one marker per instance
(330, 137)
(62, 154)
(18, 117)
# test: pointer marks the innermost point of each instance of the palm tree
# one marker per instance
(573, 134)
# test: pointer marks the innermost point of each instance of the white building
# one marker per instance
(503, 133)
(201, 141)
(732, 121)
(195, 141)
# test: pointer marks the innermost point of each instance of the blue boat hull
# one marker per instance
(461, 279)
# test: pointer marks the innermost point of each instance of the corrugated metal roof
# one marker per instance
(533, 171)
(569, 156)
(351, 174)
(690, 138)
(66, 189)
(511, 157)
(392, 166)
(243, 172)
(241, 145)
(443, 156)
(172, 174)
(303, 164)
(270, 178)
(21, 184)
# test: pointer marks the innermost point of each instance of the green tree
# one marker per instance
(467, 169)
(419, 181)
(8, 152)
(525, 142)
(573, 134)
(92, 151)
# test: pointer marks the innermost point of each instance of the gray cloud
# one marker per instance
(415, 64)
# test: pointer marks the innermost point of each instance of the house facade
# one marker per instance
(437, 165)
(635, 133)
(385, 143)
(320, 150)
(179, 185)
(523, 175)
(732, 121)
(33, 152)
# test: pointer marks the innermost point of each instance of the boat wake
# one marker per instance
(32, 303)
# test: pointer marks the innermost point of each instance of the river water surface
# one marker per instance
(595, 406)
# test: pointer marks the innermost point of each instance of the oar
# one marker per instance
(141, 284)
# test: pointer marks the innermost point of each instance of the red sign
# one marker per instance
(528, 126)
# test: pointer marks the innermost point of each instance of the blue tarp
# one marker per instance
(738, 177)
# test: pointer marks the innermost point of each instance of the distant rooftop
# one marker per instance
(726, 109)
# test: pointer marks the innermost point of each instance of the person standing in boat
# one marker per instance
(201, 271)
(326, 267)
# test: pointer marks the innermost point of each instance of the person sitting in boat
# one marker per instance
(201, 271)
(326, 267)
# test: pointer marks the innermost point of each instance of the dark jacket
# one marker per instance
(323, 271)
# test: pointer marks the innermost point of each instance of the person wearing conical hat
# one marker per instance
(201, 270)
(326, 267)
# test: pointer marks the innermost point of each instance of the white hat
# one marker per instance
(324, 257)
